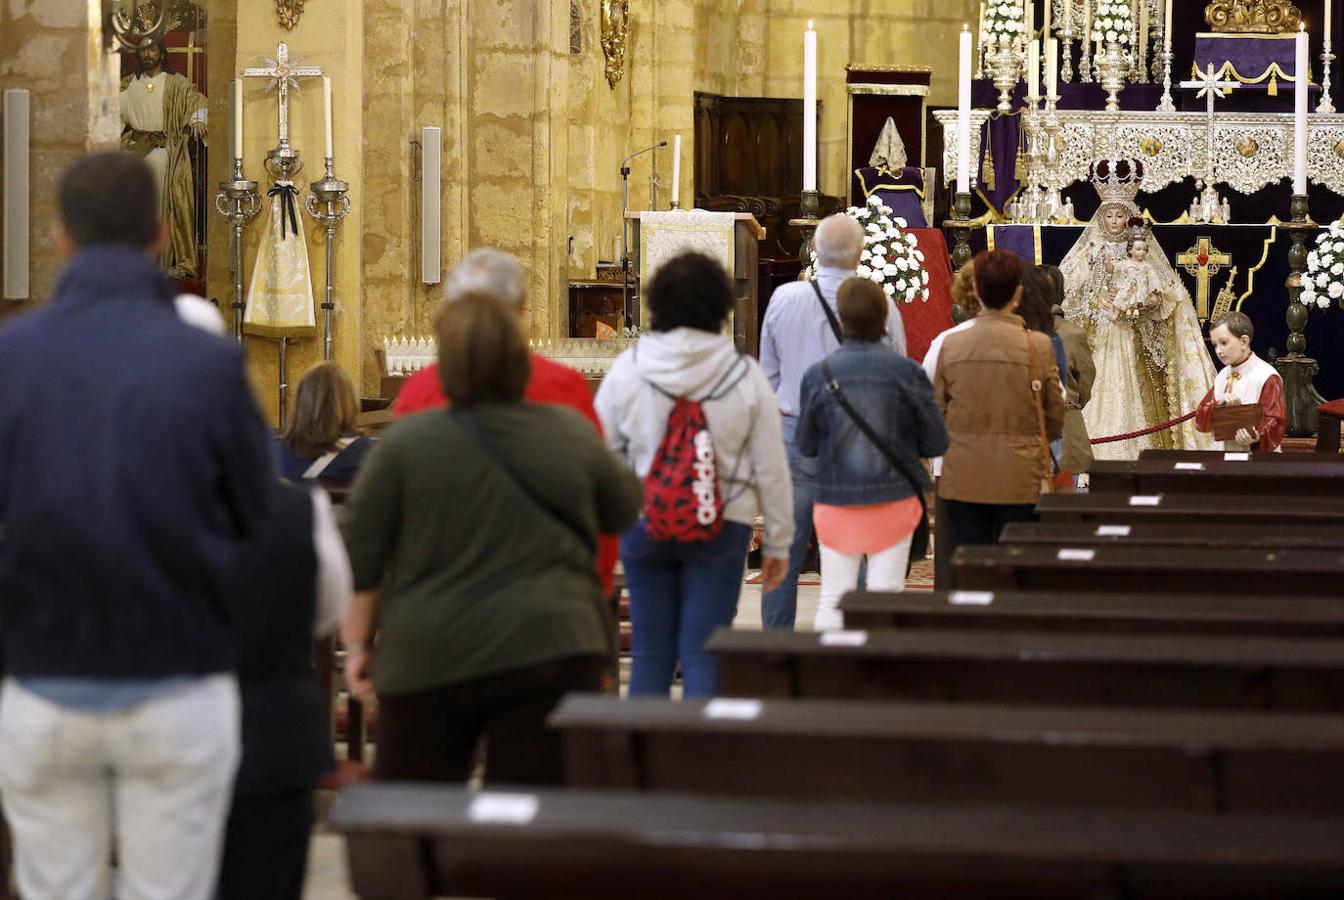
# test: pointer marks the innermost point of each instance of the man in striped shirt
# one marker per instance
(797, 334)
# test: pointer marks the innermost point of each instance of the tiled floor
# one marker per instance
(327, 879)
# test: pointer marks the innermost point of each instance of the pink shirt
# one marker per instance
(866, 529)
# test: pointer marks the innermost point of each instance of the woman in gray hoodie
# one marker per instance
(684, 586)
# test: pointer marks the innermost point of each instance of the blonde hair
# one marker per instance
(963, 289)
(325, 409)
(482, 353)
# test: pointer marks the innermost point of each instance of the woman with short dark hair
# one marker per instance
(685, 377)
(998, 387)
(320, 440)
(868, 417)
(472, 534)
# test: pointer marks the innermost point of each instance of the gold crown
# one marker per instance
(1116, 179)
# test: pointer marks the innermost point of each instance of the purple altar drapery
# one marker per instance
(902, 190)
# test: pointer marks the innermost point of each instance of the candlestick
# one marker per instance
(328, 203)
(326, 105)
(1326, 106)
(676, 170)
(1301, 76)
(239, 203)
(809, 109)
(1085, 44)
(964, 113)
(980, 42)
(1033, 69)
(1166, 104)
(1052, 67)
(236, 91)
(1296, 368)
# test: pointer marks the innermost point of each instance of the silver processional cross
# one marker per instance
(1211, 89)
(283, 76)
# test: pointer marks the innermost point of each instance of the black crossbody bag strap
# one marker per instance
(830, 313)
(897, 463)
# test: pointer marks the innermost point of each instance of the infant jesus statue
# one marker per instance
(1138, 288)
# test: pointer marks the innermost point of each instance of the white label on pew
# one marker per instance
(844, 638)
(1113, 531)
(1236, 457)
(1189, 467)
(1076, 554)
(732, 708)
(1146, 500)
(971, 598)
(504, 809)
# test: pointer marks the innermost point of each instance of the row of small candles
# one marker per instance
(405, 355)
(1300, 96)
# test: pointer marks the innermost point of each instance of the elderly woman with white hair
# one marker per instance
(800, 330)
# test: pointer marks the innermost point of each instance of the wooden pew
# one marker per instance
(1189, 509)
(1305, 478)
(419, 841)
(1159, 534)
(1060, 669)
(1087, 611)
(968, 754)
(1026, 567)
(1255, 456)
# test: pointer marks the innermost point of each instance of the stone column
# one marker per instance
(54, 48)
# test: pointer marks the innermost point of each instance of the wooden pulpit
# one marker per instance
(742, 252)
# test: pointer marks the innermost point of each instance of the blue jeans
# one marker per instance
(778, 607)
(679, 593)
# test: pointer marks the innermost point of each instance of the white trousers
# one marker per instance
(156, 777)
(840, 574)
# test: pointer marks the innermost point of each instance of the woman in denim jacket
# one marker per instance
(865, 507)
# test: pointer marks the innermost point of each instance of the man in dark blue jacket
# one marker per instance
(133, 463)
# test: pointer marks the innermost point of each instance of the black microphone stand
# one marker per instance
(625, 231)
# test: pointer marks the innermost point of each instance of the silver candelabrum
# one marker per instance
(1327, 57)
(1112, 67)
(1066, 57)
(1166, 104)
(1005, 65)
(328, 204)
(1040, 202)
(239, 202)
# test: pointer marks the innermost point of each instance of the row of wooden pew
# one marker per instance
(1138, 697)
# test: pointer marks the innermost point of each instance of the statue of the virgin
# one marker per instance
(1152, 365)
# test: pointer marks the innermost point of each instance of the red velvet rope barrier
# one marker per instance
(1136, 434)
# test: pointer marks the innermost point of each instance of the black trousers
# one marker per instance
(975, 523)
(266, 846)
(432, 735)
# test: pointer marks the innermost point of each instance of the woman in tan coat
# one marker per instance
(998, 387)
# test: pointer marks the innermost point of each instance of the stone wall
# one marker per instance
(53, 48)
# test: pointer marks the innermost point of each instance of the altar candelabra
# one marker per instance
(1039, 201)
(1066, 61)
(1166, 104)
(1295, 367)
(961, 225)
(239, 203)
(809, 208)
(1085, 60)
(1327, 57)
(328, 203)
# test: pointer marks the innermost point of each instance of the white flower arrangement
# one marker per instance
(891, 256)
(1004, 22)
(1324, 278)
(1112, 22)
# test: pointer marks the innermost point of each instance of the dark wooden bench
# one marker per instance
(970, 754)
(1189, 509)
(1054, 668)
(1087, 611)
(1159, 534)
(413, 842)
(1305, 478)
(1220, 455)
(1027, 567)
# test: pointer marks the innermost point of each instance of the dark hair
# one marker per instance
(863, 309)
(1057, 282)
(1236, 322)
(324, 411)
(690, 291)
(165, 61)
(110, 198)
(482, 353)
(998, 275)
(1038, 290)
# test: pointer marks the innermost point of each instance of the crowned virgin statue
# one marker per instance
(1152, 365)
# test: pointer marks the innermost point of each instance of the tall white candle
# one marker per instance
(326, 105)
(1087, 20)
(1045, 29)
(1166, 24)
(1329, 4)
(1068, 20)
(1301, 75)
(236, 95)
(676, 169)
(809, 109)
(980, 31)
(1052, 67)
(1033, 69)
(964, 113)
(1029, 14)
